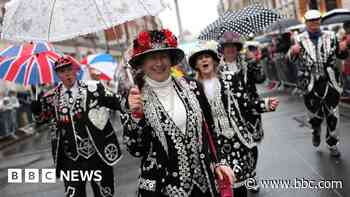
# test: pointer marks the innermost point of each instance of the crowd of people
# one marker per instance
(14, 112)
(198, 136)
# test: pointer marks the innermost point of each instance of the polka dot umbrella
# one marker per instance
(246, 21)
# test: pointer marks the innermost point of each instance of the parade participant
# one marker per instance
(82, 135)
(255, 75)
(316, 51)
(233, 62)
(170, 124)
(227, 101)
(229, 47)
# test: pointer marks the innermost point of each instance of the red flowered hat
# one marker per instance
(66, 60)
(152, 41)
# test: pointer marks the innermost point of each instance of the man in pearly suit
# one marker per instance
(317, 51)
(82, 135)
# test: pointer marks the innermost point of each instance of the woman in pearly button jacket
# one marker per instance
(82, 136)
(251, 73)
(166, 124)
(232, 62)
(227, 95)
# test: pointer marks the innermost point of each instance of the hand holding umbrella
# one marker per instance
(136, 103)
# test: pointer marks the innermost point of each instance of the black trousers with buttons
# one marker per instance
(103, 188)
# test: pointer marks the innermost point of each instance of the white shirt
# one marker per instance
(232, 66)
(209, 87)
(170, 100)
(74, 90)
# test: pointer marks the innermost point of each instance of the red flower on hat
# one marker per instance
(147, 40)
(170, 38)
(172, 42)
(167, 33)
(144, 40)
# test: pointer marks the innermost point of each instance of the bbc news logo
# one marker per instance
(48, 175)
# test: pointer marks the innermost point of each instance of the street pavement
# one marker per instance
(285, 154)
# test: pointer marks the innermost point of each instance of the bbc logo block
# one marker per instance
(31, 175)
(14, 175)
(48, 175)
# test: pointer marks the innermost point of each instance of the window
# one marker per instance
(331, 4)
(313, 4)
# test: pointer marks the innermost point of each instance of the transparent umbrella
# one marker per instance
(57, 20)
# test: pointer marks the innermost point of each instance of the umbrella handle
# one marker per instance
(128, 72)
(116, 76)
(36, 92)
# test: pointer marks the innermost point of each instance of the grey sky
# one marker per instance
(195, 15)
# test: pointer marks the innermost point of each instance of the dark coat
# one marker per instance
(317, 73)
(88, 120)
(171, 160)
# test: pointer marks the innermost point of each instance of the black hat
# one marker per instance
(192, 59)
(148, 42)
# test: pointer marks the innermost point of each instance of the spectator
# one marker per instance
(271, 66)
(283, 43)
(14, 106)
(5, 108)
(346, 64)
(3, 122)
(25, 115)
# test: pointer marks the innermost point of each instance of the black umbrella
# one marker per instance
(283, 24)
(336, 16)
(246, 21)
(214, 29)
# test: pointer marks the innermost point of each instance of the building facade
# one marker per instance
(290, 8)
(346, 4)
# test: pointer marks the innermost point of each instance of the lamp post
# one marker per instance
(178, 20)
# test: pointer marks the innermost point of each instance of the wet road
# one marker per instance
(286, 154)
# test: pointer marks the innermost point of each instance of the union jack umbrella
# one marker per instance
(29, 63)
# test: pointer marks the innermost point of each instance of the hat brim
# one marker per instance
(312, 18)
(62, 66)
(238, 44)
(176, 56)
(194, 56)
